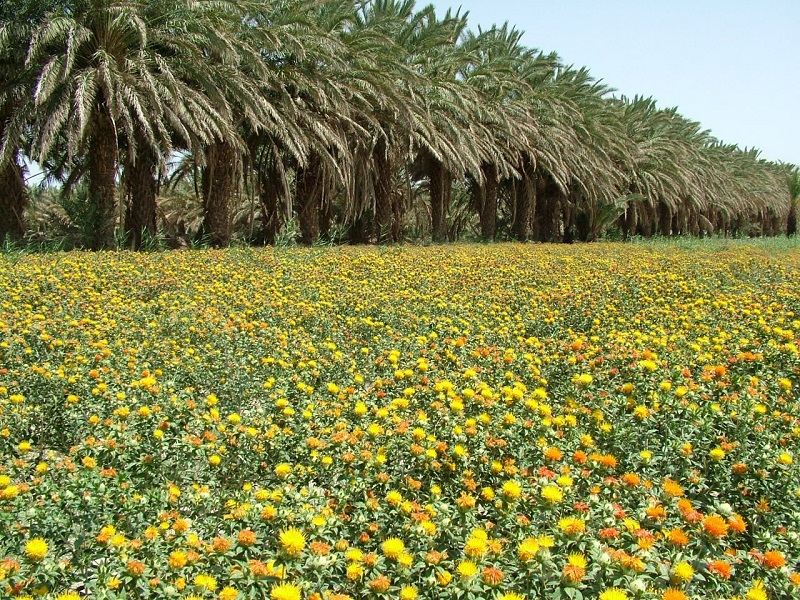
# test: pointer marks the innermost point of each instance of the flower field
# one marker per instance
(502, 422)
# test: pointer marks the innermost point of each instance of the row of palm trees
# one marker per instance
(349, 113)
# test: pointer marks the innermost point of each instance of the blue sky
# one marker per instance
(732, 65)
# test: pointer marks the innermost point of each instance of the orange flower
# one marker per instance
(632, 562)
(258, 568)
(609, 533)
(553, 454)
(466, 501)
(247, 537)
(605, 460)
(319, 548)
(677, 537)
(715, 526)
(774, 559)
(674, 594)
(135, 567)
(631, 479)
(492, 576)
(672, 488)
(221, 545)
(645, 540)
(380, 584)
(737, 524)
(657, 512)
(575, 569)
(720, 568)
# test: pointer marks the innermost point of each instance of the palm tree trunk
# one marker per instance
(102, 169)
(308, 196)
(776, 226)
(143, 190)
(325, 216)
(359, 230)
(441, 190)
(270, 196)
(13, 193)
(629, 220)
(13, 199)
(647, 216)
(547, 210)
(488, 208)
(664, 219)
(384, 210)
(219, 185)
(569, 217)
(400, 204)
(791, 221)
(526, 204)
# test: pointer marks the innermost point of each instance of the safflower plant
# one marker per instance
(506, 422)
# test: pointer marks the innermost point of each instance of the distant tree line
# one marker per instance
(366, 121)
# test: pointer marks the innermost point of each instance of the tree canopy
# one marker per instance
(361, 121)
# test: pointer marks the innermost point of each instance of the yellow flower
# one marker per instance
(207, 582)
(11, 492)
(408, 592)
(283, 470)
(292, 541)
(69, 596)
(285, 591)
(354, 555)
(467, 569)
(36, 549)
(355, 572)
(572, 525)
(528, 549)
(552, 494)
(113, 583)
(545, 541)
(177, 559)
(214, 460)
(511, 596)
(683, 571)
(613, 594)
(228, 593)
(577, 560)
(512, 490)
(393, 547)
(717, 454)
(757, 591)
(583, 379)
(475, 547)
(394, 498)
(648, 365)
(785, 459)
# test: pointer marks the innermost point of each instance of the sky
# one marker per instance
(733, 65)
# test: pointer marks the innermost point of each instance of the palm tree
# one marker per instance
(503, 121)
(445, 141)
(793, 185)
(181, 113)
(16, 85)
(117, 80)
